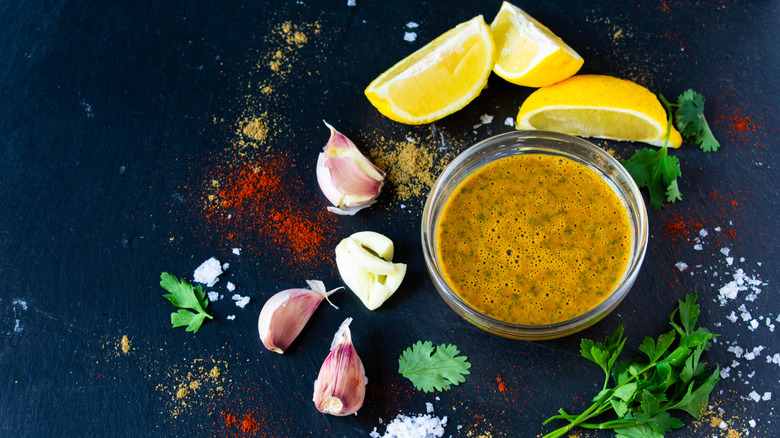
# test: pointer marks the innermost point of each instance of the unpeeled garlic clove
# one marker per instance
(285, 314)
(340, 387)
(347, 178)
(364, 261)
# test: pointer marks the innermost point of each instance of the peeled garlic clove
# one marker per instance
(380, 244)
(340, 387)
(364, 261)
(347, 178)
(285, 314)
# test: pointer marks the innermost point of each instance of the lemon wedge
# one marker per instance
(438, 79)
(529, 54)
(598, 106)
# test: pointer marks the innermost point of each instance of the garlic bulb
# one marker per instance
(340, 387)
(347, 178)
(364, 261)
(286, 313)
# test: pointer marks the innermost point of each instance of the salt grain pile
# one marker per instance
(421, 426)
(738, 288)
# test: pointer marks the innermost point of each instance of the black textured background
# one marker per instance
(115, 117)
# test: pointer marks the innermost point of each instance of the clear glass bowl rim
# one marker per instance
(631, 197)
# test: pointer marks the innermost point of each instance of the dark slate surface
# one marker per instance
(115, 118)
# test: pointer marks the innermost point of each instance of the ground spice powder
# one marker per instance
(412, 165)
(263, 206)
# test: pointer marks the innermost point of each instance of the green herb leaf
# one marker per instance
(431, 370)
(655, 350)
(651, 169)
(184, 295)
(689, 313)
(657, 170)
(691, 123)
(604, 354)
(644, 393)
(696, 399)
(638, 431)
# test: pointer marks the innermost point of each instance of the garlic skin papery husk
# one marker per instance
(285, 314)
(340, 387)
(365, 264)
(347, 178)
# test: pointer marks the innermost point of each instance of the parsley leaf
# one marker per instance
(645, 392)
(184, 295)
(656, 169)
(690, 120)
(431, 370)
(650, 169)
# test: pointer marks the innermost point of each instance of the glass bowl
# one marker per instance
(548, 143)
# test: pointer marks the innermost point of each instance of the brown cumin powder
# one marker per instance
(124, 344)
(412, 167)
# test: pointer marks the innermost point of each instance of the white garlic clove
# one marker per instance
(347, 178)
(364, 261)
(284, 315)
(340, 387)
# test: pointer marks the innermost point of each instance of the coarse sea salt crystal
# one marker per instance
(737, 350)
(681, 266)
(486, 119)
(208, 272)
(237, 251)
(703, 232)
(755, 396)
(410, 36)
(412, 25)
(420, 426)
(230, 286)
(725, 250)
(509, 121)
(231, 317)
(213, 296)
(429, 407)
(698, 247)
(240, 301)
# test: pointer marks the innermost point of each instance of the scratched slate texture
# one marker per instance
(115, 117)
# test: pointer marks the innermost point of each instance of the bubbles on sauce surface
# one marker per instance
(543, 251)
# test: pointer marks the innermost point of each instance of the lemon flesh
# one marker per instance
(527, 52)
(598, 106)
(439, 78)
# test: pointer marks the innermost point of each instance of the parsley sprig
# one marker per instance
(671, 377)
(656, 169)
(431, 370)
(184, 295)
(690, 121)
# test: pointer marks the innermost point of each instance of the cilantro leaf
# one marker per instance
(184, 295)
(691, 123)
(431, 370)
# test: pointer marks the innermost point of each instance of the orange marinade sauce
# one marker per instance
(533, 239)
